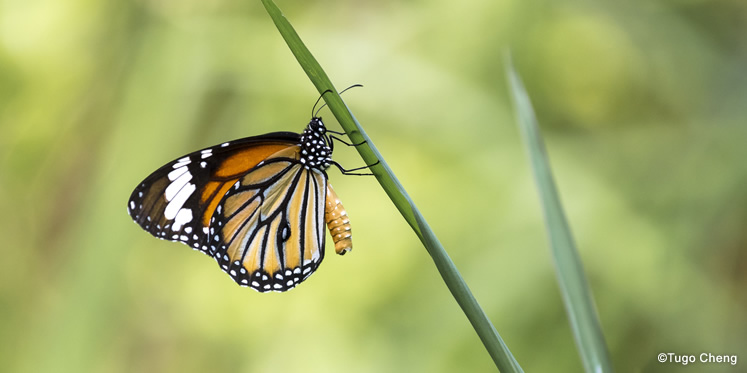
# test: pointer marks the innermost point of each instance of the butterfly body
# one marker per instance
(257, 205)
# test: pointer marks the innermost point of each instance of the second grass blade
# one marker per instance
(577, 296)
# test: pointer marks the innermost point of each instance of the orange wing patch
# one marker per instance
(238, 164)
(242, 161)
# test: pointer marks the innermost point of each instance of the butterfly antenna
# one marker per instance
(352, 86)
(313, 114)
(329, 90)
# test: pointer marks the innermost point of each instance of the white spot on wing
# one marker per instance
(181, 162)
(177, 172)
(177, 185)
(132, 205)
(184, 216)
(176, 204)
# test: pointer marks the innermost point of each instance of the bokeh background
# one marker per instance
(643, 105)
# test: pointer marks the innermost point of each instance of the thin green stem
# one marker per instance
(461, 293)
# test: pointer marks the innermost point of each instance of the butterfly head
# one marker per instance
(316, 125)
(315, 149)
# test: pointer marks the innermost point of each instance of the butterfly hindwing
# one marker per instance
(268, 231)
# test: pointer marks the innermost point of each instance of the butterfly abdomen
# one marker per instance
(338, 222)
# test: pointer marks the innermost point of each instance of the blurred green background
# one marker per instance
(643, 105)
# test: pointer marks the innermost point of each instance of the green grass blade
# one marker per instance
(575, 291)
(490, 338)
(482, 325)
(368, 151)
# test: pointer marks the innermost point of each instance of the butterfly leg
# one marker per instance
(343, 141)
(351, 171)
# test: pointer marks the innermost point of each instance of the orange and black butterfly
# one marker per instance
(257, 205)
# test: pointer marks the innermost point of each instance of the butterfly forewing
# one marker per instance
(176, 201)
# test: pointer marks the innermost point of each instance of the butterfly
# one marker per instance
(257, 205)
